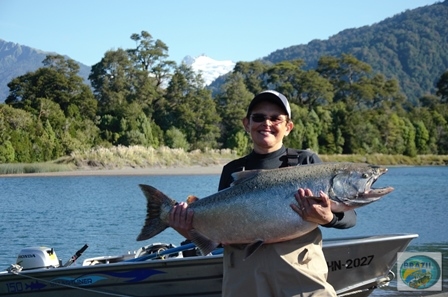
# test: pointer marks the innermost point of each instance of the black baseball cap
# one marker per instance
(270, 96)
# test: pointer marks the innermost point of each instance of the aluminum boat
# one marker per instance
(356, 265)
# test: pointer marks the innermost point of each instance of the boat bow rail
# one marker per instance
(363, 263)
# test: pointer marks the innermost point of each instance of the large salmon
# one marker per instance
(256, 208)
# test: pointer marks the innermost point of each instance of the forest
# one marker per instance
(410, 47)
(140, 97)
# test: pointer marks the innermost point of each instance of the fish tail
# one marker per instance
(156, 202)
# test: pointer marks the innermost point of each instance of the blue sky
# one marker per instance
(234, 30)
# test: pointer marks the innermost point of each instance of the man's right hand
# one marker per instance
(181, 219)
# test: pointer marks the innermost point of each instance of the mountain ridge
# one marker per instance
(17, 59)
(411, 46)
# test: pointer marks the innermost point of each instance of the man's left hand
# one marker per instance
(311, 208)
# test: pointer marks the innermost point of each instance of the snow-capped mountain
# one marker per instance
(210, 69)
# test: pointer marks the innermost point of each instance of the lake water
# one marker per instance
(107, 212)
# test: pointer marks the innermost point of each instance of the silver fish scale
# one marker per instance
(259, 208)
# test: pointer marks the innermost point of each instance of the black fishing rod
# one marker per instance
(76, 256)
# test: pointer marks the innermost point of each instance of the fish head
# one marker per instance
(352, 185)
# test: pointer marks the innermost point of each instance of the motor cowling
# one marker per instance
(37, 257)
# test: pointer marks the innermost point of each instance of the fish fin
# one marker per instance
(156, 201)
(242, 176)
(205, 245)
(252, 248)
(191, 199)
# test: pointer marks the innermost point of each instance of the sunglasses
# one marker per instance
(259, 118)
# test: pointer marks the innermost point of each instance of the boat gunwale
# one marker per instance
(327, 243)
(344, 241)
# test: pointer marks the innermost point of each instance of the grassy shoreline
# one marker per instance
(390, 160)
(141, 160)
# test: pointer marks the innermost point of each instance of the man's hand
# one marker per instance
(311, 208)
(181, 219)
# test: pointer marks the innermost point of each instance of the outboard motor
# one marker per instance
(37, 257)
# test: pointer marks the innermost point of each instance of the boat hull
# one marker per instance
(356, 265)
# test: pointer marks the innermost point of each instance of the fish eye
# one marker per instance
(365, 175)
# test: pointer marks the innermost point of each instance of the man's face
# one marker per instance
(267, 126)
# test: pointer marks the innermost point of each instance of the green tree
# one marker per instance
(7, 152)
(429, 101)
(254, 75)
(232, 105)
(285, 77)
(350, 131)
(111, 79)
(125, 92)
(409, 135)
(305, 88)
(45, 145)
(191, 109)
(421, 137)
(442, 87)
(75, 97)
(23, 145)
(241, 143)
(151, 56)
(139, 130)
(17, 127)
(174, 138)
(314, 90)
(297, 135)
(436, 126)
(345, 74)
(330, 135)
(57, 81)
(307, 127)
(398, 135)
(128, 81)
(59, 101)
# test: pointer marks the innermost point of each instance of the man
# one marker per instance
(295, 267)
